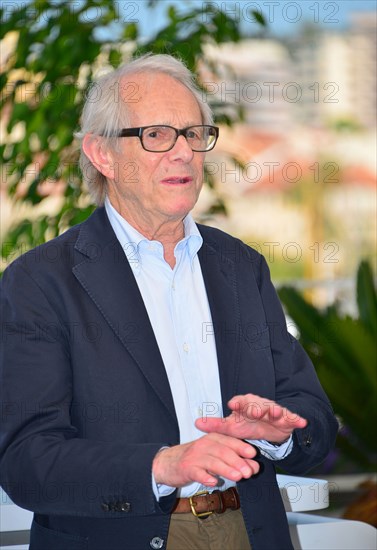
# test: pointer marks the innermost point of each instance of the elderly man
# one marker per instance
(149, 384)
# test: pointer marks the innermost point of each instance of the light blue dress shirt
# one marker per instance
(178, 309)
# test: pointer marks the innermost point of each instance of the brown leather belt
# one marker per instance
(205, 503)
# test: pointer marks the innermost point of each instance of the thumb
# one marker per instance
(208, 425)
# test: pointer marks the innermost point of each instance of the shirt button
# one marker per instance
(186, 347)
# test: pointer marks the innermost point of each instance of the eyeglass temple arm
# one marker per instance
(129, 132)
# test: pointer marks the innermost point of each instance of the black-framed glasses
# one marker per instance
(162, 138)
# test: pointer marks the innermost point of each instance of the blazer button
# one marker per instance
(122, 506)
(308, 440)
(125, 506)
(156, 543)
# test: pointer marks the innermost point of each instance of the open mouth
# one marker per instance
(177, 180)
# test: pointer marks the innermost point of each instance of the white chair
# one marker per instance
(314, 532)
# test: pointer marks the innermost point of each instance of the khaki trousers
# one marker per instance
(216, 532)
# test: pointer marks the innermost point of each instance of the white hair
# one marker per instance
(104, 112)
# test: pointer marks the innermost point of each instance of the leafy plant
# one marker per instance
(54, 47)
(344, 351)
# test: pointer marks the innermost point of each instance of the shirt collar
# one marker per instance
(130, 238)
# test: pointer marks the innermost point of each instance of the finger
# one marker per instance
(294, 419)
(242, 400)
(227, 427)
(202, 476)
(233, 427)
(254, 407)
(247, 470)
(209, 425)
(220, 455)
(232, 467)
(230, 426)
(238, 446)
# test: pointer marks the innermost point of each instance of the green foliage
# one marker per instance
(344, 351)
(51, 64)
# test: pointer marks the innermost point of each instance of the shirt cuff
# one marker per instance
(159, 489)
(272, 451)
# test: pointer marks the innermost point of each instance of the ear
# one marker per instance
(100, 156)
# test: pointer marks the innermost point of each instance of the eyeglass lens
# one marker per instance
(162, 138)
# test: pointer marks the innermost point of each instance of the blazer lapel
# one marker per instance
(221, 286)
(106, 276)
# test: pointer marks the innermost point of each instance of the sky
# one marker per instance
(283, 17)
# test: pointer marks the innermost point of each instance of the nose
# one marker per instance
(181, 150)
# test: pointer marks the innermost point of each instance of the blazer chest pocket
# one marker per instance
(257, 339)
(42, 538)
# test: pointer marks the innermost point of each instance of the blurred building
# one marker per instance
(253, 74)
(337, 72)
(317, 78)
(304, 190)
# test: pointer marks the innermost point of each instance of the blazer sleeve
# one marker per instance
(297, 386)
(44, 466)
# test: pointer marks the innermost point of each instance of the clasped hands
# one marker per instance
(222, 451)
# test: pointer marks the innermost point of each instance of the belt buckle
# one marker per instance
(192, 505)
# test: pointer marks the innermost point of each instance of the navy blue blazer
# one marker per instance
(86, 402)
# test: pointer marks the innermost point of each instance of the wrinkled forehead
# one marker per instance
(156, 98)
